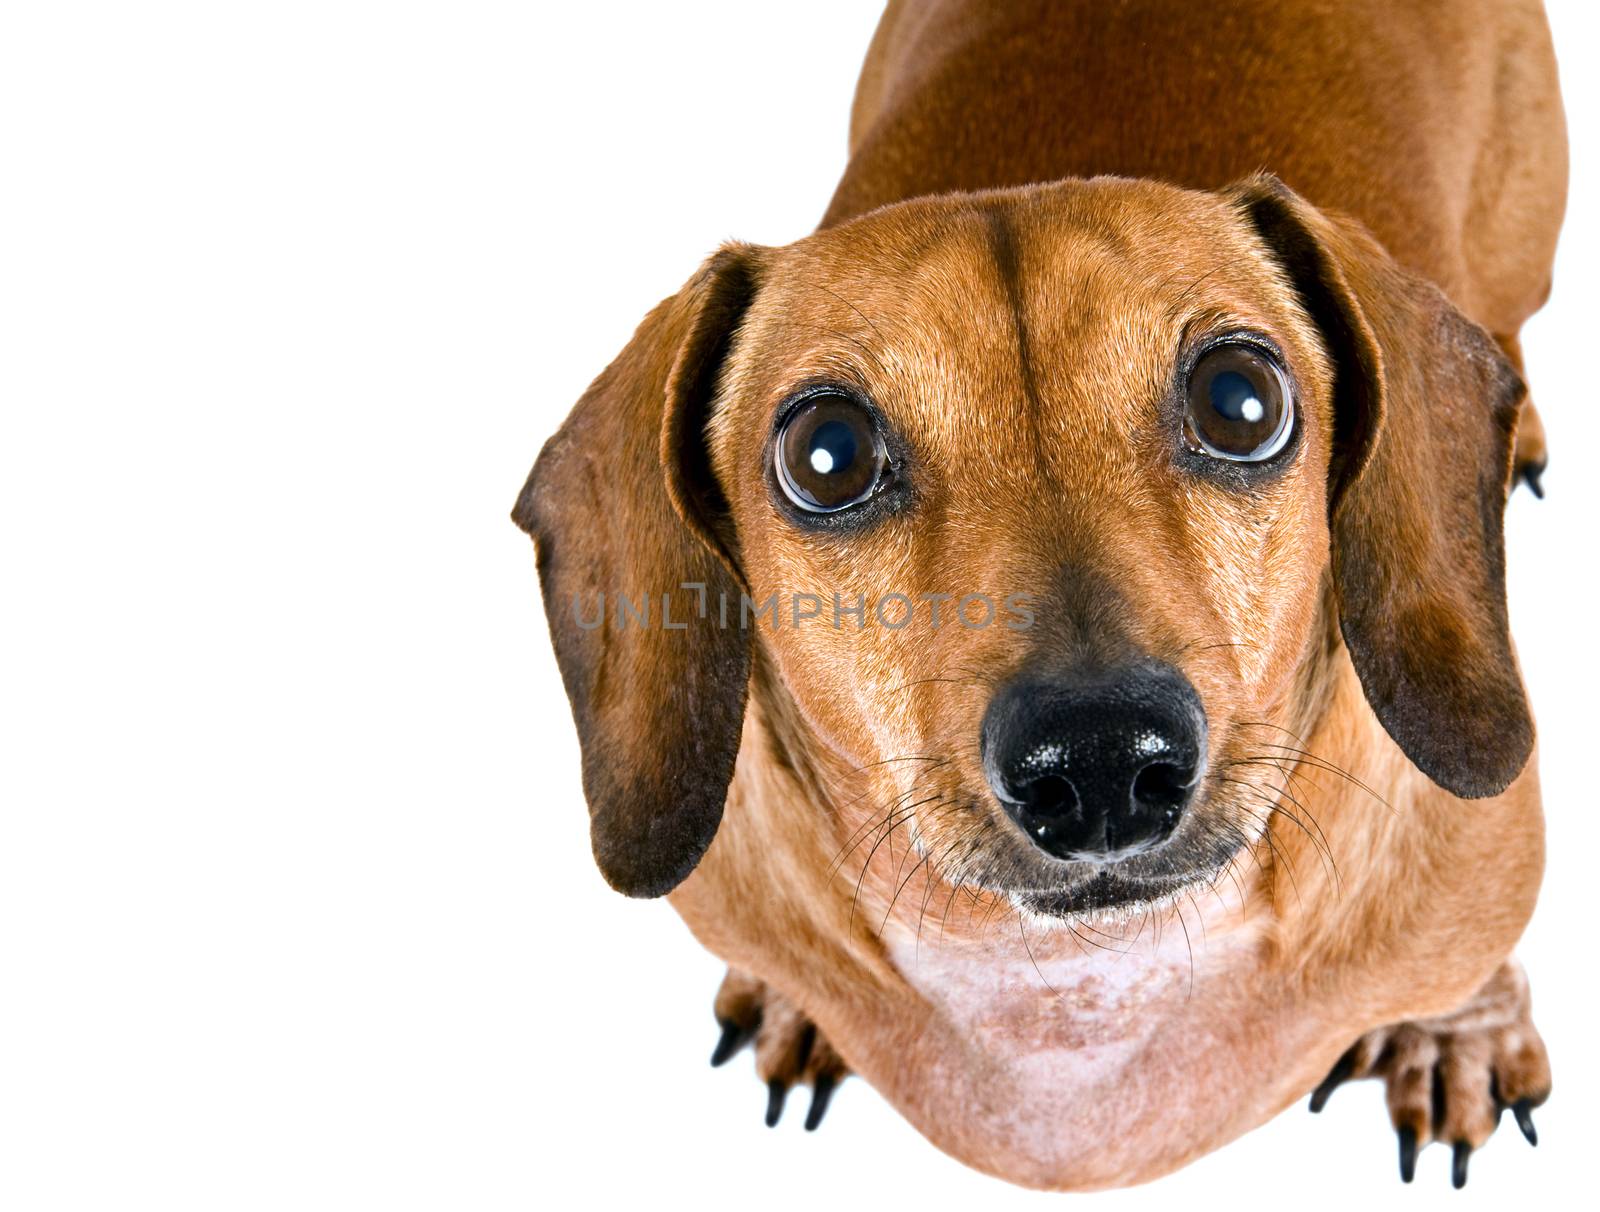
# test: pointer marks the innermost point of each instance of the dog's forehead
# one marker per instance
(971, 311)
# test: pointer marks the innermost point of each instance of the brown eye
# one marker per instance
(830, 454)
(1239, 406)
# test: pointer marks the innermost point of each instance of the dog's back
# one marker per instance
(1435, 122)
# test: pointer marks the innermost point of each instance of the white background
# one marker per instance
(296, 902)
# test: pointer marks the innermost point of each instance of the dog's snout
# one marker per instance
(1099, 767)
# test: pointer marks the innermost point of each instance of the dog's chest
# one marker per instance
(1084, 1057)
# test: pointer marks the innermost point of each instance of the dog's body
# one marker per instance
(1112, 1043)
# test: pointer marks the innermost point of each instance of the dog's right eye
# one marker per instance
(1240, 408)
(830, 454)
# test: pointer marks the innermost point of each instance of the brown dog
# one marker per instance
(1217, 760)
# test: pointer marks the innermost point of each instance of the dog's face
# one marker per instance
(1022, 393)
(1048, 497)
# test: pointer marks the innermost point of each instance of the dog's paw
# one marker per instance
(1450, 1079)
(1532, 456)
(789, 1049)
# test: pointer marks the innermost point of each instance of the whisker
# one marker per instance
(863, 831)
(883, 925)
(1028, 947)
(866, 318)
(894, 804)
(855, 799)
(1278, 858)
(925, 681)
(1198, 282)
(844, 336)
(1317, 760)
(1091, 928)
(905, 815)
(1278, 810)
(1320, 841)
(910, 757)
(1188, 945)
(927, 892)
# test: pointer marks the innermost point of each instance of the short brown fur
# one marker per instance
(1045, 204)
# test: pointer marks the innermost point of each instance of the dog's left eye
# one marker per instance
(830, 454)
(1239, 405)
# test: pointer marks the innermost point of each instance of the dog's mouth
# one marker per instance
(1110, 891)
(1193, 860)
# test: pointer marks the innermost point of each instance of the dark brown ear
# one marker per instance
(658, 699)
(1426, 411)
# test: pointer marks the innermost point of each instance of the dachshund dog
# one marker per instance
(1046, 629)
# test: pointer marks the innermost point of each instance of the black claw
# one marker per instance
(1458, 1164)
(1408, 1153)
(1523, 1110)
(733, 1038)
(821, 1094)
(1337, 1076)
(776, 1093)
(1533, 476)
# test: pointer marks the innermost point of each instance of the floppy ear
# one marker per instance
(612, 508)
(1426, 412)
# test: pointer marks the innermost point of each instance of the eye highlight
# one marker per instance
(829, 454)
(1239, 406)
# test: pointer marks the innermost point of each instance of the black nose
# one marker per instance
(1096, 768)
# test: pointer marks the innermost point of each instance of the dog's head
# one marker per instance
(1049, 496)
